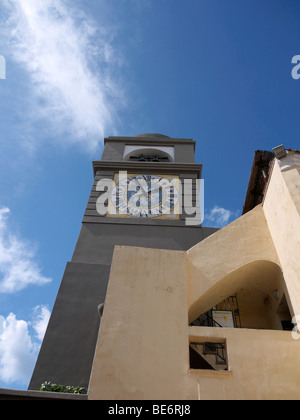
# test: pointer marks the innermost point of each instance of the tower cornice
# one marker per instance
(151, 140)
(158, 167)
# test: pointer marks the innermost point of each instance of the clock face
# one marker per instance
(145, 196)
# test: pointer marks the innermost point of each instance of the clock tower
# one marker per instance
(145, 194)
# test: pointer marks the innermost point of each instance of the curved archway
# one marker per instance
(162, 153)
(226, 257)
(260, 289)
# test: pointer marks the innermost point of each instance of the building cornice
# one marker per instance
(158, 167)
(150, 140)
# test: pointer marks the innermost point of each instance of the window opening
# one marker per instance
(208, 356)
(150, 158)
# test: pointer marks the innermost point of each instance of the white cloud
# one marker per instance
(18, 349)
(2, 320)
(70, 61)
(40, 323)
(17, 352)
(220, 217)
(18, 268)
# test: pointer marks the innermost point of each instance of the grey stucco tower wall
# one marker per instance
(67, 351)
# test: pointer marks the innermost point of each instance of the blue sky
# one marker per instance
(77, 71)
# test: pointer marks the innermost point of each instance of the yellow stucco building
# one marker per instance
(161, 336)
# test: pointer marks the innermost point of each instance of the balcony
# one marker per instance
(261, 364)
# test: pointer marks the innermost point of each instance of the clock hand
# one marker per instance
(144, 191)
